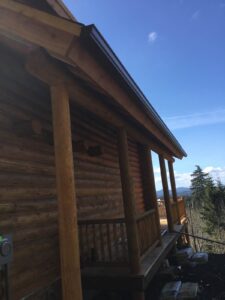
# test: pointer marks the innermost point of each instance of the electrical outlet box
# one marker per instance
(6, 249)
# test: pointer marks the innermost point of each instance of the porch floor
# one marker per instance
(109, 278)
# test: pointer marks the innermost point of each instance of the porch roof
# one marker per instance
(85, 52)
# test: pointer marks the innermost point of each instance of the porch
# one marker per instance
(105, 261)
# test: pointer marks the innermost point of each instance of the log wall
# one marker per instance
(28, 206)
(134, 156)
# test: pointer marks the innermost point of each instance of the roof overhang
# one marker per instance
(59, 7)
(83, 48)
(93, 39)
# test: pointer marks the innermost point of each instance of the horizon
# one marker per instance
(174, 50)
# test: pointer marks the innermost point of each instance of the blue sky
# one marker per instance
(175, 51)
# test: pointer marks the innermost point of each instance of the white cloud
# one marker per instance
(197, 119)
(152, 36)
(217, 173)
(184, 179)
(195, 15)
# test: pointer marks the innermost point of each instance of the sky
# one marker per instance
(175, 52)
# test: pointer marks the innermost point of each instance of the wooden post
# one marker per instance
(173, 187)
(149, 185)
(68, 228)
(187, 234)
(166, 192)
(128, 202)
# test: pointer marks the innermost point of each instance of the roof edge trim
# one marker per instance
(91, 34)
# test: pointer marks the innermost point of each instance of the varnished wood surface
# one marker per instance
(28, 206)
(166, 192)
(128, 201)
(120, 278)
(66, 195)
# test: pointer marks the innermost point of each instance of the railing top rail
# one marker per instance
(101, 221)
(145, 214)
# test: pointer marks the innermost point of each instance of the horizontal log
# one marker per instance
(96, 192)
(25, 168)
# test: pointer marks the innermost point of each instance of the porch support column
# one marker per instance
(173, 187)
(149, 185)
(68, 228)
(166, 192)
(128, 202)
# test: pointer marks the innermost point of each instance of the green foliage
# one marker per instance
(198, 187)
(208, 198)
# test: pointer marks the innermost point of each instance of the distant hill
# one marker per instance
(181, 191)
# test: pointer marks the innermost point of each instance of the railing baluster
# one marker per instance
(115, 240)
(95, 250)
(123, 241)
(109, 244)
(147, 230)
(102, 242)
(87, 242)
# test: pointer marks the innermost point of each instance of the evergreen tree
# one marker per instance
(198, 188)
(213, 210)
(219, 204)
(208, 211)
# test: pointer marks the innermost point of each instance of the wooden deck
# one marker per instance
(119, 277)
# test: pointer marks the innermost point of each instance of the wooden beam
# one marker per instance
(61, 9)
(68, 228)
(38, 27)
(173, 188)
(166, 192)
(128, 202)
(57, 35)
(43, 67)
(149, 185)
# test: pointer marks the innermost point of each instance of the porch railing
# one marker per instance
(181, 208)
(147, 231)
(178, 210)
(103, 242)
(174, 212)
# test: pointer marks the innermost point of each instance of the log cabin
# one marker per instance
(77, 183)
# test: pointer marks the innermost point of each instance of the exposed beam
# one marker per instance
(61, 9)
(68, 228)
(38, 27)
(43, 67)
